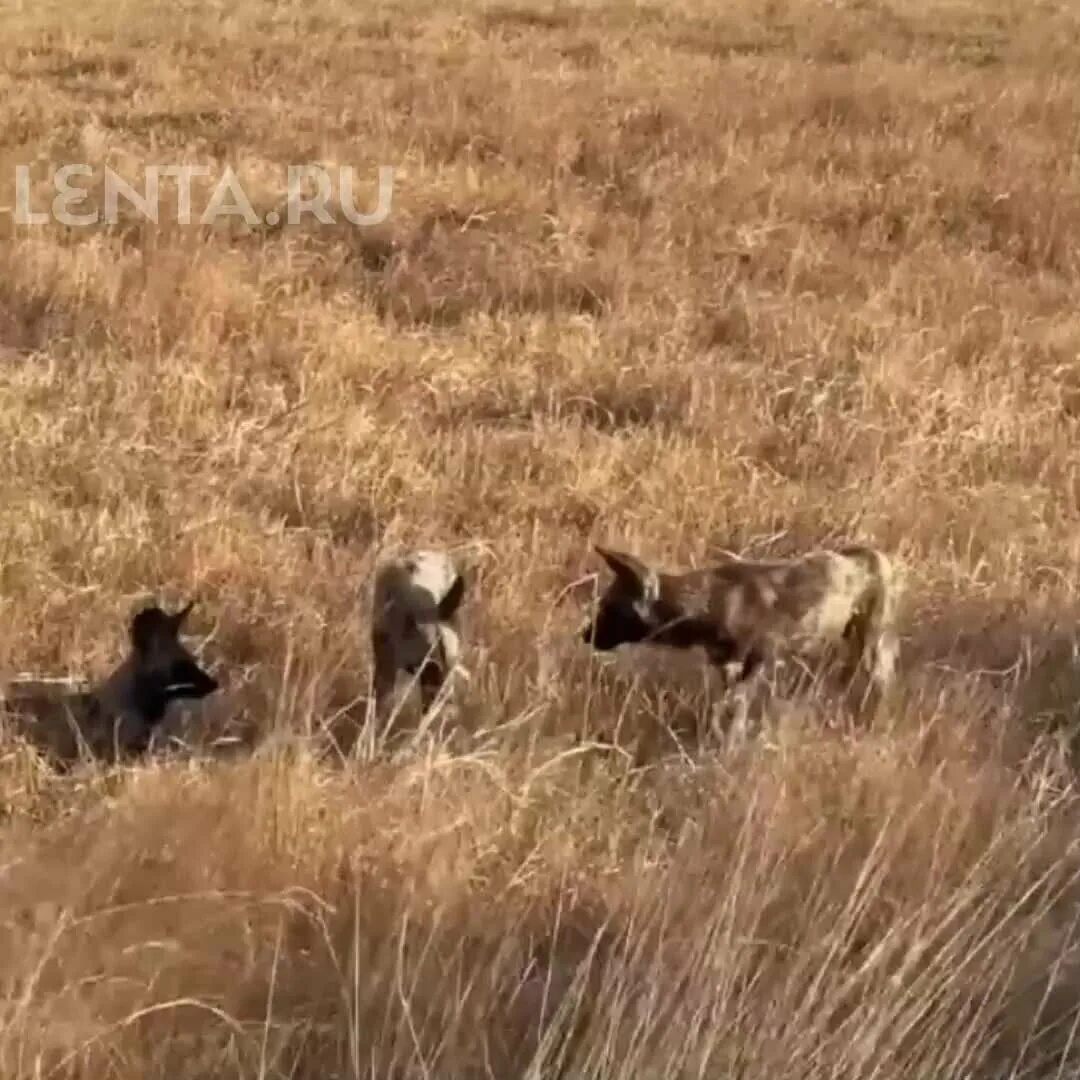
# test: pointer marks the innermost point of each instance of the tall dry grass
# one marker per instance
(655, 275)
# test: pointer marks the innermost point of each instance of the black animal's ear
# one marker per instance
(632, 573)
(149, 626)
(449, 604)
(178, 618)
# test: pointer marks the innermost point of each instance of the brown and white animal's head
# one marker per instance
(414, 621)
(645, 605)
(742, 610)
(628, 611)
(118, 716)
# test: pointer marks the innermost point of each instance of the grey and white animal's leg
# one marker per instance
(384, 653)
(432, 679)
(441, 665)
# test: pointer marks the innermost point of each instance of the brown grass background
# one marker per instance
(659, 275)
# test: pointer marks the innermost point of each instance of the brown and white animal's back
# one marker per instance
(815, 602)
(814, 593)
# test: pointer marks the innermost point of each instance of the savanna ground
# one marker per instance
(657, 276)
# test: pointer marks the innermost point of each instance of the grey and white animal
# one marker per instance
(115, 719)
(746, 613)
(414, 623)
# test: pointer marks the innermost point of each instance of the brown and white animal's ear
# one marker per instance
(449, 604)
(637, 578)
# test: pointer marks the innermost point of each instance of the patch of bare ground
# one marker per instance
(656, 275)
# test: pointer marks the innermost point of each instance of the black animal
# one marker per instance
(115, 719)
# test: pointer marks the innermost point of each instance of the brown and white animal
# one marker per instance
(115, 719)
(414, 626)
(744, 613)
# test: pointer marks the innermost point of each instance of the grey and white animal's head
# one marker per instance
(414, 621)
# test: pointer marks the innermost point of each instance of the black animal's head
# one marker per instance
(628, 611)
(164, 669)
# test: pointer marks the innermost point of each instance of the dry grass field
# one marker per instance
(673, 276)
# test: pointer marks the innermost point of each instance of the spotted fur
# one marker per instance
(743, 613)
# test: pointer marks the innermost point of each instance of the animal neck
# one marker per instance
(149, 701)
(683, 631)
(126, 691)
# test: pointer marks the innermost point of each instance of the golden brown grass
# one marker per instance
(654, 276)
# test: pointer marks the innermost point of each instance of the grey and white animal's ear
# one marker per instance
(639, 580)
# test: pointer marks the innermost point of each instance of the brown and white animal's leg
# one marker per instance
(886, 658)
(870, 635)
(882, 644)
(737, 662)
(742, 668)
(854, 648)
(873, 652)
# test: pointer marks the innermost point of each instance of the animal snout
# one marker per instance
(196, 683)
